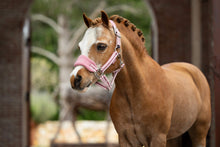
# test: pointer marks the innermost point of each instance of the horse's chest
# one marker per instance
(129, 118)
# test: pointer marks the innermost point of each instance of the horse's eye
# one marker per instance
(101, 46)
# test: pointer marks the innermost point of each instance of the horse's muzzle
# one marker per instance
(82, 80)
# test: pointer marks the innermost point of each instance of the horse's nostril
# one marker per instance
(77, 81)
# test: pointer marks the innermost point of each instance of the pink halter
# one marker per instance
(99, 72)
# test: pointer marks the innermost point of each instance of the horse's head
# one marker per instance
(97, 47)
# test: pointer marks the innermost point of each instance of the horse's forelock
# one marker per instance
(96, 22)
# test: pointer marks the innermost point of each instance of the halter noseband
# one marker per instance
(99, 72)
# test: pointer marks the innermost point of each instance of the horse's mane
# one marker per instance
(127, 23)
(137, 40)
(133, 34)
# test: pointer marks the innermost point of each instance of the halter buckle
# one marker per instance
(98, 74)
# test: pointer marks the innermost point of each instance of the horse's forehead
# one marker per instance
(90, 38)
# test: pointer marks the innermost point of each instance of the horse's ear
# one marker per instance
(105, 18)
(87, 20)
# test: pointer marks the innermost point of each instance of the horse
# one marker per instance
(150, 103)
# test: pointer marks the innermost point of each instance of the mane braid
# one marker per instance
(128, 28)
(131, 28)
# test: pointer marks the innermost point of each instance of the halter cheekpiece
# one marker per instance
(99, 72)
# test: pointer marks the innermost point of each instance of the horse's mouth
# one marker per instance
(84, 88)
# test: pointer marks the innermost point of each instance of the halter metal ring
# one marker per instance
(98, 73)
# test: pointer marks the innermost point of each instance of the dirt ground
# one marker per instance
(90, 132)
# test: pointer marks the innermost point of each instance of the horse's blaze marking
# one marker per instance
(87, 46)
(75, 71)
(88, 40)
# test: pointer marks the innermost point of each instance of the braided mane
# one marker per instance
(132, 33)
(127, 28)
(127, 23)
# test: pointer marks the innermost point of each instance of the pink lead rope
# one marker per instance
(99, 72)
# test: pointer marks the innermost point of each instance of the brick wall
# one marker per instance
(13, 74)
(216, 66)
(174, 26)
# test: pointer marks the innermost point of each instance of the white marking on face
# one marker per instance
(75, 71)
(86, 43)
(88, 40)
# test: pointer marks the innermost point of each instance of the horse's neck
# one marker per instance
(139, 70)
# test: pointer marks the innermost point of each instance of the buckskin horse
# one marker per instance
(150, 103)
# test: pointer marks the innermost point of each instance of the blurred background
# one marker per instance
(57, 27)
(38, 47)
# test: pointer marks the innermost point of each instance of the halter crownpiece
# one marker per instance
(91, 66)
